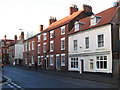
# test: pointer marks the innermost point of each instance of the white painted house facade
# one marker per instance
(95, 57)
(93, 43)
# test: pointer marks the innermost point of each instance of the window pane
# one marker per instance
(101, 57)
(101, 64)
(98, 64)
(97, 58)
(105, 64)
(76, 65)
(72, 65)
(105, 57)
(91, 65)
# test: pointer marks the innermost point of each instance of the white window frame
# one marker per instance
(75, 62)
(52, 34)
(91, 61)
(29, 46)
(63, 64)
(51, 43)
(93, 20)
(44, 48)
(87, 43)
(62, 39)
(101, 41)
(77, 26)
(26, 46)
(102, 61)
(75, 46)
(51, 61)
(38, 60)
(62, 29)
(39, 38)
(33, 45)
(33, 57)
(26, 60)
(39, 48)
(45, 36)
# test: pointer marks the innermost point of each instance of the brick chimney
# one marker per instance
(5, 38)
(41, 28)
(73, 9)
(87, 8)
(118, 1)
(52, 20)
(22, 35)
(15, 38)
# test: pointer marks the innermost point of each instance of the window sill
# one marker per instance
(62, 49)
(51, 51)
(100, 48)
(63, 65)
(63, 34)
(51, 64)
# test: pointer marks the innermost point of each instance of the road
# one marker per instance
(23, 78)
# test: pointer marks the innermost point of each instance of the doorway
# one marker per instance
(57, 62)
(47, 63)
(81, 66)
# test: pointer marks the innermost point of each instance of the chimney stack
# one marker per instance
(52, 20)
(118, 1)
(87, 8)
(5, 37)
(73, 9)
(41, 28)
(15, 38)
(22, 35)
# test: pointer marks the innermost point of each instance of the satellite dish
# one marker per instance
(115, 4)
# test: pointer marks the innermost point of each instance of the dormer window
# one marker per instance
(95, 20)
(78, 25)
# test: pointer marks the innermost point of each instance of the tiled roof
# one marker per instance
(62, 21)
(106, 17)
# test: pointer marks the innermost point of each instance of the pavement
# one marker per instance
(98, 77)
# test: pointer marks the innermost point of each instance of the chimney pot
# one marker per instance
(5, 37)
(15, 38)
(87, 8)
(52, 20)
(118, 1)
(73, 9)
(41, 28)
(22, 35)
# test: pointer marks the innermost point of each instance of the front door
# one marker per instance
(47, 62)
(81, 65)
(57, 62)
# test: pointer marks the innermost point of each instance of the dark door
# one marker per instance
(82, 66)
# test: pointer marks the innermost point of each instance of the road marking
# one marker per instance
(12, 84)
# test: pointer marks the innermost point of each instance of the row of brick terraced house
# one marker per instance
(50, 46)
(82, 41)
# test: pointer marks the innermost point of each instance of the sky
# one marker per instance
(28, 15)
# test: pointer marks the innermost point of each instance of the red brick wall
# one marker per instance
(35, 51)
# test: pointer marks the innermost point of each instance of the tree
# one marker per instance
(29, 34)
